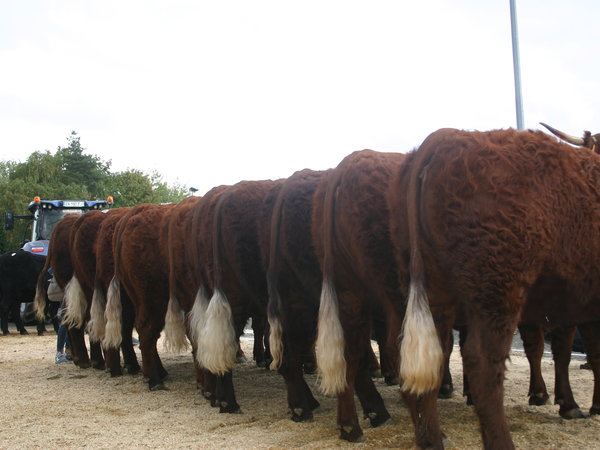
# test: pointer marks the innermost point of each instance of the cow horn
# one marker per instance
(565, 137)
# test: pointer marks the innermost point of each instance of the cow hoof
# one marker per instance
(375, 373)
(116, 373)
(309, 368)
(390, 380)
(469, 399)
(351, 433)
(586, 366)
(159, 387)
(83, 365)
(132, 370)
(378, 419)
(5, 333)
(446, 391)
(98, 365)
(313, 403)
(538, 399)
(262, 364)
(594, 410)
(230, 409)
(573, 413)
(23, 331)
(41, 333)
(301, 415)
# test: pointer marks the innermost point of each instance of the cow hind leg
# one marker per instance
(533, 343)
(97, 359)
(447, 387)
(486, 369)
(300, 399)
(16, 314)
(590, 333)
(209, 387)
(4, 320)
(151, 365)
(258, 349)
(370, 399)
(423, 411)
(41, 327)
(130, 360)
(79, 350)
(226, 394)
(347, 418)
(562, 343)
(112, 359)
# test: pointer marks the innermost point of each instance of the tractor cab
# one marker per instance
(45, 214)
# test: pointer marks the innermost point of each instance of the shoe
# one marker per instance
(60, 358)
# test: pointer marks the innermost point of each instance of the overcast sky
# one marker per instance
(214, 92)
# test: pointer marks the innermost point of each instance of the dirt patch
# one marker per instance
(48, 405)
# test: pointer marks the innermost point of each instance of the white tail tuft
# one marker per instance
(421, 355)
(276, 342)
(76, 304)
(197, 316)
(113, 314)
(217, 345)
(330, 343)
(97, 323)
(40, 305)
(175, 339)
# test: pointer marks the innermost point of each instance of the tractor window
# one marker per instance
(48, 218)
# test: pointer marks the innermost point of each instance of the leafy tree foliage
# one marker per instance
(70, 173)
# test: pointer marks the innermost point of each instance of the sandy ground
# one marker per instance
(48, 405)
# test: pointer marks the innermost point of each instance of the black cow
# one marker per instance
(18, 275)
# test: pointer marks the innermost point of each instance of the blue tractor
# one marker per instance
(44, 215)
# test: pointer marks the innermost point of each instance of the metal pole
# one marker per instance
(516, 64)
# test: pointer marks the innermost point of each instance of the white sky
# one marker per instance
(213, 92)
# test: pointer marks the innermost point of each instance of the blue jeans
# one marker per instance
(62, 341)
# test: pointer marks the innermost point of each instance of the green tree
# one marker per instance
(69, 173)
(79, 169)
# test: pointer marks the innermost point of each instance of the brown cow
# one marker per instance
(105, 270)
(294, 282)
(182, 282)
(80, 288)
(199, 253)
(140, 270)
(352, 241)
(182, 288)
(488, 214)
(59, 259)
(238, 281)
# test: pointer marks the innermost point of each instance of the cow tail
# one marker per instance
(39, 301)
(330, 346)
(175, 339)
(197, 316)
(275, 307)
(75, 302)
(113, 315)
(421, 354)
(217, 345)
(97, 323)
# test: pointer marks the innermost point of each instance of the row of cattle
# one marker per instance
(485, 231)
